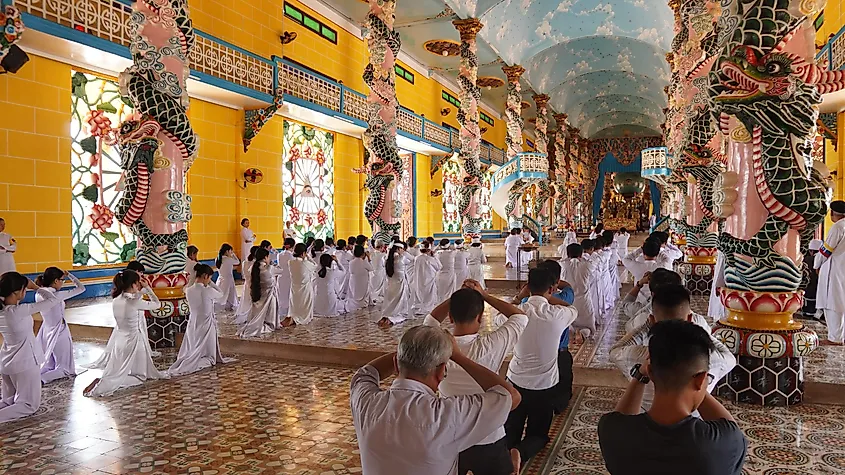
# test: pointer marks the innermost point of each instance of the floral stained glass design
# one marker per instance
(308, 181)
(405, 193)
(452, 177)
(97, 108)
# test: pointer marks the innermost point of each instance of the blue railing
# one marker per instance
(526, 166)
(833, 52)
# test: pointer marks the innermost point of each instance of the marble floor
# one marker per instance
(273, 417)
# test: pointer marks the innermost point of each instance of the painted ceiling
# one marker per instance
(601, 61)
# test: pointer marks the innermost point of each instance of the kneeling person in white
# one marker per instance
(20, 357)
(533, 369)
(408, 429)
(54, 337)
(200, 348)
(466, 308)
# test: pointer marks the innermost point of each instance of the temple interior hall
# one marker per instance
(221, 219)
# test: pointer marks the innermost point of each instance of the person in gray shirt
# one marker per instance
(668, 439)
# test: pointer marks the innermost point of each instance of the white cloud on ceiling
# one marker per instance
(649, 35)
(544, 30)
(624, 59)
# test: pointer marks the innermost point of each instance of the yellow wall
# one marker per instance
(35, 192)
(834, 14)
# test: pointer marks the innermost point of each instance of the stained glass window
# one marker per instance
(405, 194)
(308, 181)
(451, 185)
(452, 177)
(97, 108)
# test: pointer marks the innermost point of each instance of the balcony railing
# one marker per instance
(832, 55)
(526, 165)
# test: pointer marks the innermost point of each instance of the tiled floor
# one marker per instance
(267, 417)
(801, 440)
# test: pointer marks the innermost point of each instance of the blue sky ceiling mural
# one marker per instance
(601, 61)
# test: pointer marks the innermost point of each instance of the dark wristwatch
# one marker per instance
(635, 373)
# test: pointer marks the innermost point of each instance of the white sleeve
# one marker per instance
(68, 294)
(152, 304)
(13, 246)
(630, 350)
(722, 361)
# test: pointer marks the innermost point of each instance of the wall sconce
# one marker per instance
(445, 111)
(287, 37)
(436, 193)
(252, 176)
(483, 130)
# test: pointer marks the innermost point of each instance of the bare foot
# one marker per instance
(508, 266)
(579, 339)
(515, 460)
(288, 322)
(385, 323)
(90, 387)
(830, 343)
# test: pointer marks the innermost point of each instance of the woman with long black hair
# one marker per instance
(302, 275)
(263, 312)
(54, 335)
(242, 313)
(226, 262)
(397, 294)
(128, 361)
(200, 348)
(328, 302)
(20, 357)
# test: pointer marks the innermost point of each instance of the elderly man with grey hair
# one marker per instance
(408, 428)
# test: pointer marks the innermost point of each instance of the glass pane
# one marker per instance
(98, 238)
(308, 181)
(312, 24)
(329, 34)
(293, 12)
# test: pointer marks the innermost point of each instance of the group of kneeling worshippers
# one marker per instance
(449, 411)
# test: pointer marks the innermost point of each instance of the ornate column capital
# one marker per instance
(561, 120)
(468, 28)
(513, 72)
(542, 100)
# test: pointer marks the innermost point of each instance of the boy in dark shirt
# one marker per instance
(668, 439)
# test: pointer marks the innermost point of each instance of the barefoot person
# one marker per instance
(20, 357)
(54, 335)
(128, 361)
(466, 309)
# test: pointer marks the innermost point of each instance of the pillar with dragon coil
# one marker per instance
(544, 193)
(513, 139)
(157, 147)
(763, 92)
(562, 191)
(470, 136)
(382, 162)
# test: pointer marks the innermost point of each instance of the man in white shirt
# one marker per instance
(830, 295)
(247, 239)
(670, 302)
(669, 253)
(642, 260)
(407, 429)
(634, 311)
(533, 369)
(288, 231)
(512, 244)
(466, 308)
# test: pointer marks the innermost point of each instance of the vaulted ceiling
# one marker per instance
(601, 61)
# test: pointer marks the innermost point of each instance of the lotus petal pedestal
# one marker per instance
(172, 317)
(769, 346)
(698, 268)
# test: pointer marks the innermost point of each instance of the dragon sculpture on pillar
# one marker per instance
(541, 131)
(382, 162)
(157, 147)
(774, 94)
(468, 117)
(561, 173)
(513, 139)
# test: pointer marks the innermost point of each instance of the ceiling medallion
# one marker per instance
(489, 82)
(443, 47)
(526, 105)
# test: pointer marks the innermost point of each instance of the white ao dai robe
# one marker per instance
(263, 314)
(426, 268)
(831, 289)
(476, 271)
(328, 302)
(200, 348)
(446, 275)
(378, 276)
(397, 293)
(512, 243)
(54, 337)
(282, 283)
(344, 257)
(358, 296)
(128, 360)
(247, 240)
(579, 273)
(226, 282)
(7, 253)
(302, 275)
(242, 313)
(461, 267)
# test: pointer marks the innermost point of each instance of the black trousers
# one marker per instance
(489, 459)
(534, 417)
(564, 386)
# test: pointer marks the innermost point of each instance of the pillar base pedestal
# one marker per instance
(698, 278)
(768, 344)
(172, 317)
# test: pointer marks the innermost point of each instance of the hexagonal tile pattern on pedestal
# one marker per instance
(764, 381)
(698, 278)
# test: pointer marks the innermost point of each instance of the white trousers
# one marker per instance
(835, 325)
(20, 394)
